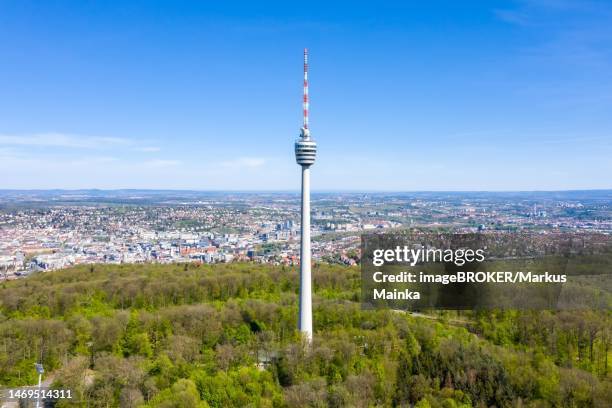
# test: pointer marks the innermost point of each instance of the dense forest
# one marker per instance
(225, 336)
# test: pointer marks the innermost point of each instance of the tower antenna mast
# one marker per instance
(305, 103)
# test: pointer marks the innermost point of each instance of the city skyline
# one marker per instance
(59, 230)
(490, 96)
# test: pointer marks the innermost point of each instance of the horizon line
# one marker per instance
(2, 190)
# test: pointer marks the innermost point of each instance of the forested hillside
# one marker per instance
(225, 335)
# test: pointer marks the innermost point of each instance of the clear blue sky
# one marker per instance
(421, 95)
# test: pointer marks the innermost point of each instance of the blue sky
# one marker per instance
(437, 95)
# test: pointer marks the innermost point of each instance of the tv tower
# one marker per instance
(305, 153)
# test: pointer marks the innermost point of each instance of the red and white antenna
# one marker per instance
(305, 102)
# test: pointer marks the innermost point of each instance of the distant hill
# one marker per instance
(136, 196)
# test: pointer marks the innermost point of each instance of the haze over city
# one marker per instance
(206, 96)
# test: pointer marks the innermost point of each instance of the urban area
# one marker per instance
(49, 230)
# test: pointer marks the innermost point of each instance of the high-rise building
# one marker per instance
(305, 153)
